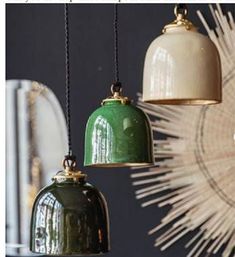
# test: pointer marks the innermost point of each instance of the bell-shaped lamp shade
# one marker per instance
(118, 134)
(182, 66)
(69, 217)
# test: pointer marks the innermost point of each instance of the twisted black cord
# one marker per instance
(181, 9)
(181, 6)
(67, 79)
(115, 30)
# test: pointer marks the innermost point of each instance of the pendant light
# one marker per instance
(69, 217)
(182, 66)
(118, 134)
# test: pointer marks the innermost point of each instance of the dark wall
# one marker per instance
(35, 50)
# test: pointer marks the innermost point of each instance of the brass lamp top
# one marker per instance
(70, 171)
(180, 12)
(116, 90)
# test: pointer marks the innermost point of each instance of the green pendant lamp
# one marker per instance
(70, 216)
(118, 134)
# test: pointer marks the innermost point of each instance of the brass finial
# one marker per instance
(180, 12)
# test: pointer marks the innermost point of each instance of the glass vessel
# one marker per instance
(118, 134)
(182, 66)
(69, 217)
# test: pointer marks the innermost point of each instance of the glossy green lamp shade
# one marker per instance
(118, 134)
(69, 217)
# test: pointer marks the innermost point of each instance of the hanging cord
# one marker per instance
(181, 10)
(116, 86)
(115, 30)
(67, 80)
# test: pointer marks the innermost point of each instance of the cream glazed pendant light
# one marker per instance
(182, 66)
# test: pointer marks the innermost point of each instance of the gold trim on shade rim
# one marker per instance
(185, 101)
(73, 254)
(121, 165)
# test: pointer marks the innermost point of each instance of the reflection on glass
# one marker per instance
(102, 142)
(163, 75)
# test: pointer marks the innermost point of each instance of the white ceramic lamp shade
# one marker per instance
(182, 66)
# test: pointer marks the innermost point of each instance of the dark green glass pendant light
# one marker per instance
(70, 216)
(118, 134)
